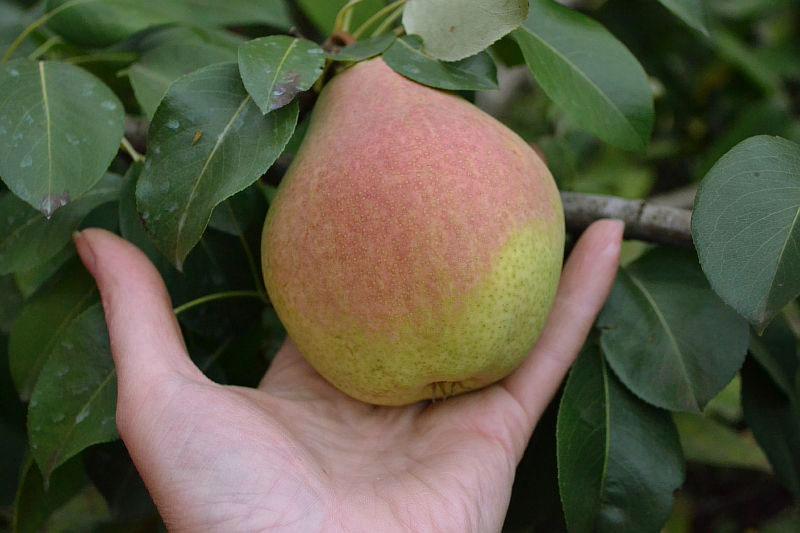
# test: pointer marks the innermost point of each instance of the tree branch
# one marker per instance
(681, 197)
(644, 221)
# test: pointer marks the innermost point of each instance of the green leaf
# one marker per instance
(86, 511)
(476, 73)
(692, 12)
(11, 460)
(787, 521)
(27, 239)
(13, 20)
(588, 73)
(239, 212)
(727, 405)
(294, 144)
(275, 69)
(777, 353)
(12, 410)
(12, 432)
(614, 172)
(363, 49)
(455, 29)
(181, 51)
(746, 226)
(104, 217)
(775, 423)
(111, 470)
(99, 23)
(619, 459)
(247, 356)
(507, 52)
(132, 228)
(10, 302)
(709, 442)
(743, 9)
(667, 336)
(770, 116)
(536, 480)
(738, 52)
(208, 140)
(217, 264)
(74, 401)
(273, 13)
(50, 153)
(37, 500)
(31, 344)
(30, 280)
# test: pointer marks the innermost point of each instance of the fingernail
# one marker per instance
(618, 226)
(84, 251)
(615, 232)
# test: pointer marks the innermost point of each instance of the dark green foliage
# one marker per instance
(631, 99)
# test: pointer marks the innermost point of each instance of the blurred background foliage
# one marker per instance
(710, 93)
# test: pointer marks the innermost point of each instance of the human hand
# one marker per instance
(296, 454)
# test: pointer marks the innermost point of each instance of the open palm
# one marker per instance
(297, 454)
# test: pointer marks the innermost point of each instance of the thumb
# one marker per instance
(146, 341)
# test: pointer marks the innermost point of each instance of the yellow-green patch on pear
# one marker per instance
(457, 347)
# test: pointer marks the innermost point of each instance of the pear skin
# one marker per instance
(414, 247)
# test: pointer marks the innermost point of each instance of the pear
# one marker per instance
(414, 247)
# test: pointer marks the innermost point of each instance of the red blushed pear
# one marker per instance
(414, 247)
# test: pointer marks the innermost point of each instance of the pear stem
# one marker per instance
(215, 297)
(388, 21)
(44, 47)
(376, 17)
(344, 16)
(128, 147)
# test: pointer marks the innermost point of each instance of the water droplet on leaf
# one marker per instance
(51, 202)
